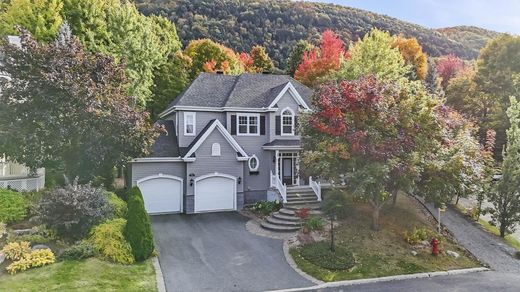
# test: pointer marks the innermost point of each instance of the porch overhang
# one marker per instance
(279, 144)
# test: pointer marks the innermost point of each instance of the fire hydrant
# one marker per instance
(435, 246)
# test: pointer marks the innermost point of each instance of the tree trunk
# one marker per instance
(375, 218)
(332, 245)
(503, 230)
(394, 197)
(457, 201)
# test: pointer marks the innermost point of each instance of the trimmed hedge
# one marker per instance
(138, 230)
(13, 206)
(319, 253)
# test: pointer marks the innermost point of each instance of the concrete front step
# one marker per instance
(290, 212)
(298, 206)
(282, 222)
(303, 202)
(300, 190)
(278, 228)
(286, 217)
(299, 199)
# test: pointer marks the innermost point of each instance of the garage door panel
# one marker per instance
(162, 195)
(215, 193)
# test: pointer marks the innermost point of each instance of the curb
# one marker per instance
(159, 278)
(387, 279)
(293, 265)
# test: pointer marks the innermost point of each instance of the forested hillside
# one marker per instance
(278, 24)
(470, 36)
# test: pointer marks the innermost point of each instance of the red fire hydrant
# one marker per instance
(435, 246)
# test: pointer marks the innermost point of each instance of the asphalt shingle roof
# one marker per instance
(280, 142)
(166, 144)
(246, 90)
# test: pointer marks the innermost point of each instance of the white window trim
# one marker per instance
(292, 115)
(257, 124)
(249, 163)
(186, 114)
(215, 149)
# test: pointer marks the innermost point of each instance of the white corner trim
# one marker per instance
(294, 93)
(218, 125)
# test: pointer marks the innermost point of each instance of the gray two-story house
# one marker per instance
(229, 141)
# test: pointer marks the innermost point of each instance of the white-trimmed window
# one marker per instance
(215, 149)
(253, 163)
(287, 122)
(248, 124)
(189, 124)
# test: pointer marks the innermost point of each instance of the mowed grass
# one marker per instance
(385, 252)
(88, 275)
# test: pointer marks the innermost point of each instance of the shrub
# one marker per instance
(16, 250)
(314, 223)
(74, 209)
(108, 240)
(79, 251)
(302, 213)
(13, 206)
(119, 207)
(335, 204)
(34, 259)
(420, 234)
(319, 254)
(266, 207)
(138, 230)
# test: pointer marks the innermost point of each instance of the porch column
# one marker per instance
(276, 153)
(297, 162)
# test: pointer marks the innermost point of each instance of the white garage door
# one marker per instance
(161, 194)
(215, 192)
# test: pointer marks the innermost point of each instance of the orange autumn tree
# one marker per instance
(319, 63)
(209, 56)
(413, 55)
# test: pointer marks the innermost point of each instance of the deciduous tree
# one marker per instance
(208, 55)
(506, 198)
(296, 56)
(321, 62)
(413, 55)
(448, 67)
(261, 60)
(68, 106)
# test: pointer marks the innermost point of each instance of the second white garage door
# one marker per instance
(161, 194)
(215, 192)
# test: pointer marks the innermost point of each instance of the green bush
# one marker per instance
(13, 206)
(335, 204)
(108, 240)
(33, 259)
(138, 230)
(79, 251)
(314, 223)
(319, 254)
(38, 235)
(119, 206)
(420, 234)
(266, 207)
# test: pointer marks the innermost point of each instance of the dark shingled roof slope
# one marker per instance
(246, 90)
(279, 142)
(166, 144)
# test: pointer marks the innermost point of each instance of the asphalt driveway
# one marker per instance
(215, 252)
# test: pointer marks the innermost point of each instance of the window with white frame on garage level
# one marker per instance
(248, 124)
(189, 124)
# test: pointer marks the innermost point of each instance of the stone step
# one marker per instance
(300, 190)
(297, 207)
(299, 199)
(282, 222)
(287, 217)
(301, 195)
(290, 212)
(278, 228)
(303, 202)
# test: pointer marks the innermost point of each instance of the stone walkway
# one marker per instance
(487, 247)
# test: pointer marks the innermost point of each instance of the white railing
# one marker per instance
(316, 187)
(281, 187)
(23, 184)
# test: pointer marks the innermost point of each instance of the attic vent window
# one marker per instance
(215, 149)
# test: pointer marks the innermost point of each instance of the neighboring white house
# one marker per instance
(14, 175)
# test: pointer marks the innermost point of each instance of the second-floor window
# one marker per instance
(248, 124)
(189, 124)
(287, 122)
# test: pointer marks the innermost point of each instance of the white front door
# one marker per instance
(215, 192)
(161, 194)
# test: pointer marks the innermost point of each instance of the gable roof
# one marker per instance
(204, 134)
(246, 90)
(166, 144)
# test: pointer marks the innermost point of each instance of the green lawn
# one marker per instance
(385, 252)
(87, 275)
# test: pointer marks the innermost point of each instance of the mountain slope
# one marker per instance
(278, 24)
(470, 36)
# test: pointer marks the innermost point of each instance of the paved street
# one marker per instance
(215, 252)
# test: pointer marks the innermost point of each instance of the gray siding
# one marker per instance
(201, 120)
(286, 101)
(144, 169)
(204, 164)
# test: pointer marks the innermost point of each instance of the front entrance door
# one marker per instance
(287, 171)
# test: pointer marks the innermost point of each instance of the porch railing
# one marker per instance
(316, 187)
(281, 187)
(23, 183)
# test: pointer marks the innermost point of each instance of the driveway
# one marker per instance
(215, 252)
